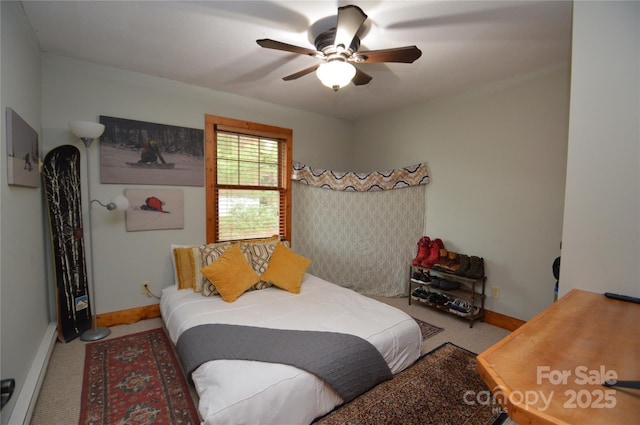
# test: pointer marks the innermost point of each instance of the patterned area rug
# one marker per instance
(135, 379)
(442, 387)
(428, 330)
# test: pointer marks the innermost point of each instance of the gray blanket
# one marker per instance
(349, 364)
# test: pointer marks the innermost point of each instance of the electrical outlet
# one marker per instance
(495, 292)
(144, 288)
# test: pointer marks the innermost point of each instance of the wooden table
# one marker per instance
(551, 369)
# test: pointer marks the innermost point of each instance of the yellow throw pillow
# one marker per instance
(185, 267)
(231, 274)
(208, 254)
(286, 269)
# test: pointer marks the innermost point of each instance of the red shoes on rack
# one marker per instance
(434, 253)
(428, 252)
(423, 250)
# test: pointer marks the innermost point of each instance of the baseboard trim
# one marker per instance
(131, 315)
(502, 321)
(26, 402)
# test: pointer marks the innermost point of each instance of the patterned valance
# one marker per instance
(413, 175)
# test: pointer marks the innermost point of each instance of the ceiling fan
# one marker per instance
(338, 50)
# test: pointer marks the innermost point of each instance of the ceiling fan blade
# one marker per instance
(301, 73)
(406, 54)
(350, 19)
(278, 45)
(361, 78)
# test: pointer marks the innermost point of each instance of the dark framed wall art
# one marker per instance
(138, 152)
(23, 154)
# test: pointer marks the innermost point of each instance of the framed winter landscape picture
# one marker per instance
(22, 151)
(138, 152)
(154, 209)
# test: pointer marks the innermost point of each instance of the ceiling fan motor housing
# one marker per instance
(325, 44)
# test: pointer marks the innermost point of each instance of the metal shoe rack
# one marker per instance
(470, 290)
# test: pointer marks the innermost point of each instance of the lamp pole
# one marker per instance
(95, 333)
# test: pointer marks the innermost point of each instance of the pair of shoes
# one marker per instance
(464, 264)
(460, 264)
(433, 253)
(466, 312)
(420, 294)
(448, 285)
(444, 284)
(439, 299)
(421, 276)
(447, 261)
(423, 250)
(459, 307)
(476, 267)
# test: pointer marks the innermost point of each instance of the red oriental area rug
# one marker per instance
(135, 379)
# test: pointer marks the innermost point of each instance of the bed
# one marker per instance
(257, 392)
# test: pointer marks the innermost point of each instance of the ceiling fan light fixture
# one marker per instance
(338, 48)
(336, 74)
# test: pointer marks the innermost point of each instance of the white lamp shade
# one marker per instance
(336, 74)
(119, 202)
(86, 129)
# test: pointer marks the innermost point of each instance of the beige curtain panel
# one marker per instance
(364, 241)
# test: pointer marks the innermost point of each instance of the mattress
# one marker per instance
(249, 392)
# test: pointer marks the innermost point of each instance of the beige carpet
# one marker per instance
(59, 399)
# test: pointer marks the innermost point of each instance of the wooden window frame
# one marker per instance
(214, 123)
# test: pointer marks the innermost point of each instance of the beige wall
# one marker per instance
(24, 314)
(601, 235)
(75, 90)
(501, 145)
(497, 160)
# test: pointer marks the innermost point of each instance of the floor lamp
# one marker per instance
(87, 131)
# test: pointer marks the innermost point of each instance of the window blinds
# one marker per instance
(249, 187)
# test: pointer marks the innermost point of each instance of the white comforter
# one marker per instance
(246, 392)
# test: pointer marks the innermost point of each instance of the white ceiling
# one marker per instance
(213, 44)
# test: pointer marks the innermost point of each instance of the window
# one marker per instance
(248, 180)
